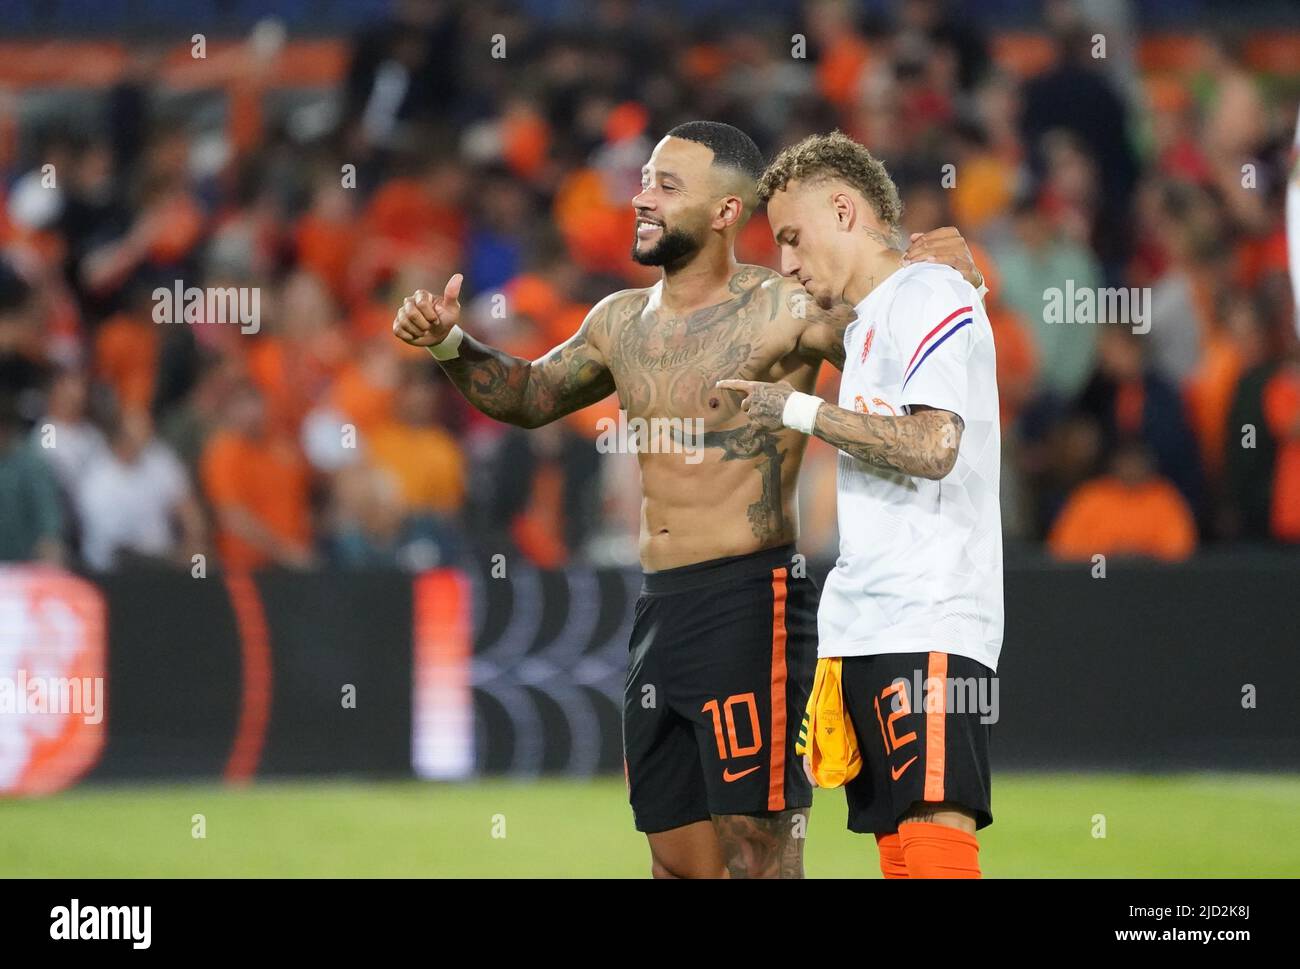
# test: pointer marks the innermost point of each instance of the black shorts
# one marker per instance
(721, 663)
(934, 748)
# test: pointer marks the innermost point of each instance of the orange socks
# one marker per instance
(892, 864)
(935, 851)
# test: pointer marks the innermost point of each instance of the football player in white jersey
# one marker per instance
(912, 612)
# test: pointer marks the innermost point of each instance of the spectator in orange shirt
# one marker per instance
(845, 56)
(325, 235)
(425, 459)
(1130, 512)
(295, 358)
(366, 387)
(426, 202)
(126, 353)
(1210, 389)
(1282, 412)
(257, 484)
(402, 505)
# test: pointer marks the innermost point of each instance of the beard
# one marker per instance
(675, 247)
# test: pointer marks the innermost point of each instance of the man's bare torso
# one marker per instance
(735, 493)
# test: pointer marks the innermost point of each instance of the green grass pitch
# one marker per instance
(1197, 825)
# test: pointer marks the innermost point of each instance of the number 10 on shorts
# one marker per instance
(727, 710)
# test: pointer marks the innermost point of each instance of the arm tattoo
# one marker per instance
(530, 394)
(823, 334)
(763, 845)
(835, 355)
(922, 444)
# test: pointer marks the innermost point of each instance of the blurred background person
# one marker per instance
(427, 465)
(1128, 399)
(1281, 401)
(1131, 511)
(258, 485)
(72, 442)
(31, 519)
(135, 503)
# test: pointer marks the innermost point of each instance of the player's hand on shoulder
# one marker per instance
(946, 247)
(424, 319)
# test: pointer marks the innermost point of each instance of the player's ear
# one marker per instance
(845, 211)
(730, 211)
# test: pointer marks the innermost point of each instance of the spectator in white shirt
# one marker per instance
(65, 436)
(135, 501)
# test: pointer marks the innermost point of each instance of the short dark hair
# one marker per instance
(730, 146)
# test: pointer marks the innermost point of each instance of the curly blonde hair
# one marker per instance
(838, 156)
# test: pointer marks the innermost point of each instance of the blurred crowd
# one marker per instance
(466, 137)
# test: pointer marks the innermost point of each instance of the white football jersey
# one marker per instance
(920, 563)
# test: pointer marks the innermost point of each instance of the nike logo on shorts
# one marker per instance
(896, 774)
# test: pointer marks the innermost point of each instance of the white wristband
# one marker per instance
(449, 348)
(801, 411)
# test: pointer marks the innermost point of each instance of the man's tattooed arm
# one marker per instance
(922, 444)
(532, 393)
(822, 337)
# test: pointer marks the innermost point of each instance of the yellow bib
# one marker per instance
(827, 735)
